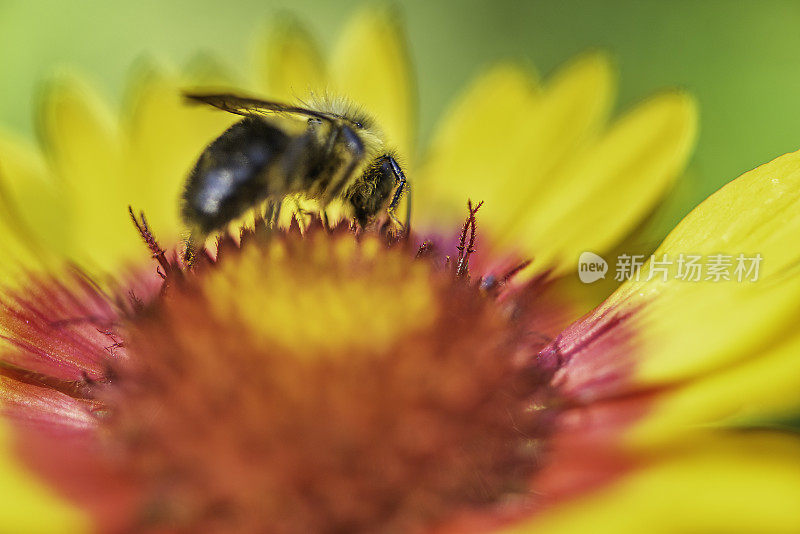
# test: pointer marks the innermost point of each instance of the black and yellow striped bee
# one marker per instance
(326, 151)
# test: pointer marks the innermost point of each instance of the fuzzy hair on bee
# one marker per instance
(327, 149)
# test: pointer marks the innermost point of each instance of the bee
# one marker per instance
(327, 151)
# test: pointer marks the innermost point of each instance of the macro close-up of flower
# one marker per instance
(326, 321)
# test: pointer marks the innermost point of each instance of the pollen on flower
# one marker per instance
(323, 381)
(298, 294)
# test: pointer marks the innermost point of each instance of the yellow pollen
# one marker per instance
(328, 298)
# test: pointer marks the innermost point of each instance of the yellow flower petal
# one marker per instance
(477, 146)
(17, 257)
(735, 484)
(689, 328)
(503, 140)
(31, 212)
(288, 63)
(32, 191)
(371, 66)
(767, 384)
(570, 114)
(604, 190)
(82, 140)
(27, 505)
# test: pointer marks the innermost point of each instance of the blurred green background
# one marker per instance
(741, 59)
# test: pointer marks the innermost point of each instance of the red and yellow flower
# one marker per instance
(338, 381)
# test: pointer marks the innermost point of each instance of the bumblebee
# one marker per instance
(327, 151)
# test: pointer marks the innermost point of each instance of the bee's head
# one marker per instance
(379, 189)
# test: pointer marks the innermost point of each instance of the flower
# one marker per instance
(328, 380)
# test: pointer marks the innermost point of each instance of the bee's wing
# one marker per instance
(248, 107)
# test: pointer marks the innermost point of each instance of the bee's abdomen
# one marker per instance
(233, 174)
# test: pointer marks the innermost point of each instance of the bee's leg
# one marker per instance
(266, 215)
(277, 214)
(409, 198)
(395, 220)
(301, 215)
(189, 251)
(193, 244)
(402, 187)
(272, 213)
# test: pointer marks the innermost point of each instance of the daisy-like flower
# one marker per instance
(328, 380)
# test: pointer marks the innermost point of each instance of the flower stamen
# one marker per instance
(158, 253)
(492, 284)
(77, 389)
(465, 249)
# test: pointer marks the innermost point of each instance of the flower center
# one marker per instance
(322, 383)
(316, 296)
